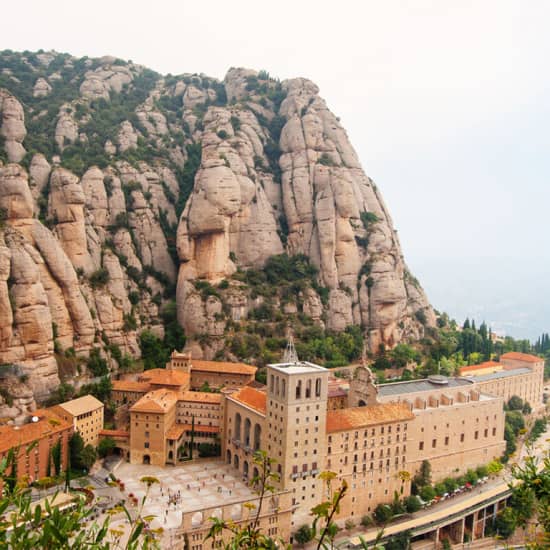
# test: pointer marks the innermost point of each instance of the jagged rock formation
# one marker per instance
(139, 189)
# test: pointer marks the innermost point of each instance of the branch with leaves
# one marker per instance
(325, 511)
(250, 535)
(25, 525)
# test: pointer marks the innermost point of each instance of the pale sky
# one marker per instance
(446, 103)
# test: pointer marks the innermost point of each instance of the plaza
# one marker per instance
(182, 490)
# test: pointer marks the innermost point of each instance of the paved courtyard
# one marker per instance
(182, 489)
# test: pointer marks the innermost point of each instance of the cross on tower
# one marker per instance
(290, 355)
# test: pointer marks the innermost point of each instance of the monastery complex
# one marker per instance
(309, 422)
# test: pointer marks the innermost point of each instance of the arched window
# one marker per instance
(238, 426)
(299, 389)
(277, 386)
(257, 436)
(283, 387)
(318, 387)
(247, 426)
(271, 379)
(308, 389)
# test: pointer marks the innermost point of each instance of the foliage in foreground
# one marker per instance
(25, 525)
(530, 503)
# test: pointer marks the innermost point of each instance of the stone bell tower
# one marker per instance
(362, 389)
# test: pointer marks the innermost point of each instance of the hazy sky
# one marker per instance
(446, 102)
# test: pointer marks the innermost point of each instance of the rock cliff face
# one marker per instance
(122, 191)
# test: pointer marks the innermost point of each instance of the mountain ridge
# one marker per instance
(124, 191)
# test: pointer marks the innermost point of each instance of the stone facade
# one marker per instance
(274, 520)
(519, 374)
(86, 416)
(373, 439)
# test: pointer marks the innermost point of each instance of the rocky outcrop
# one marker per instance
(39, 172)
(333, 212)
(170, 193)
(12, 126)
(96, 199)
(127, 137)
(17, 401)
(42, 88)
(66, 209)
(66, 131)
(98, 83)
(229, 213)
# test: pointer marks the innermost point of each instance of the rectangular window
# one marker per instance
(421, 446)
(476, 434)
(434, 443)
(462, 438)
(446, 440)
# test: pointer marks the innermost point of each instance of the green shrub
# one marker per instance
(209, 449)
(106, 446)
(96, 364)
(130, 322)
(383, 513)
(236, 123)
(412, 504)
(3, 217)
(325, 160)
(366, 521)
(304, 534)
(99, 278)
(368, 218)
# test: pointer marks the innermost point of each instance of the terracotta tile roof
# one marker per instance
(337, 387)
(165, 377)
(114, 433)
(84, 404)
(222, 367)
(485, 365)
(48, 424)
(200, 396)
(517, 356)
(336, 392)
(257, 385)
(131, 385)
(358, 417)
(157, 401)
(176, 431)
(200, 428)
(251, 397)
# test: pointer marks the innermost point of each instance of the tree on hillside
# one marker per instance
(106, 446)
(76, 446)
